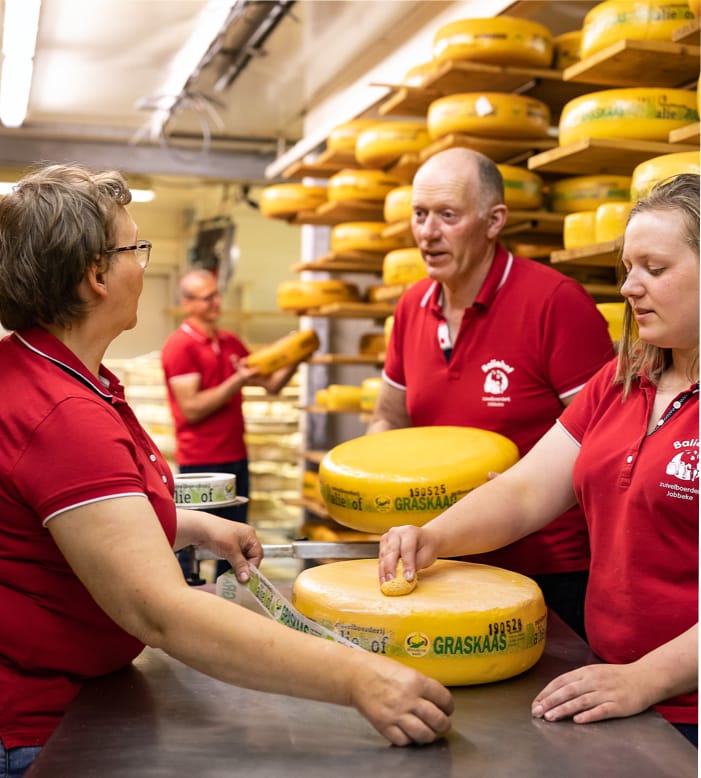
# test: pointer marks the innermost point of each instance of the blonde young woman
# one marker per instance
(87, 519)
(627, 450)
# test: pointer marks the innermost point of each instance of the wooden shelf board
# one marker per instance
(398, 230)
(591, 156)
(607, 291)
(503, 150)
(404, 168)
(351, 310)
(533, 223)
(351, 210)
(689, 134)
(347, 359)
(314, 456)
(689, 33)
(338, 266)
(408, 101)
(663, 63)
(597, 255)
(302, 169)
(310, 505)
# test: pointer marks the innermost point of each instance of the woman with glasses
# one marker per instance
(627, 449)
(87, 518)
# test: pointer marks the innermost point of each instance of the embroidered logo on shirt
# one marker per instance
(496, 382)
(684, 466)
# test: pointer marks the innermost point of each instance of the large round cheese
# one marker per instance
(343, 397)
(289, 350)
(613, 313)
(567, 49)
(369, 392)
(371, 185)
(398, 205)
(204, 490)
(609, 22)
(300, 295)
(403, 266)
(501, 40)
(587, 193)
(523, 189)
(578, 229)
(364, 236)
(648, 173)
(342, 138)
(285, 200)
(463, 623)
(409, 475)
(384, 143)
(610, 221)
(490, 114)
(639, 113)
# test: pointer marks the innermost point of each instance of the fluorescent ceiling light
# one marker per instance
(20, 28)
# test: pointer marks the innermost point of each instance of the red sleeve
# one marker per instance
(577, 417)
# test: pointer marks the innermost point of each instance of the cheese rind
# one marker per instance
(648, 173)
(300, 295)
(409, 475)
(384, 143)
(294, 347)
(463, 624)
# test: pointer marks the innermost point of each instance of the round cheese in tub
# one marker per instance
(204, 490)
(409, 475)
(463, 624)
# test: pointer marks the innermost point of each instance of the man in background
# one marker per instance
(492, 341)
(205, 371)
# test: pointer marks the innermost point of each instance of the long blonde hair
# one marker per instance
(636, 357)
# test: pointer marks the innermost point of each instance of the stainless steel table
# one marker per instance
(160, 718)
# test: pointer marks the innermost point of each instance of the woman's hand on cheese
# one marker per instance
(593, 693)
(412, 545)
(401, 703)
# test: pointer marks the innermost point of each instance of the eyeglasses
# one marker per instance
(208, 298)
(142, 249)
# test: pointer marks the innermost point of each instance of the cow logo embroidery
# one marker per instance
(685, 465)
(496, 379)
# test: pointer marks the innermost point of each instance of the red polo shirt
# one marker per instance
(531, 338)
(640, 494)
(220, 437)
(66, 439)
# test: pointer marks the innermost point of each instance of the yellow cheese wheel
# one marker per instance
(285, 200)
(639, 113)
(369, 392)
(566, 49)
(523, 189)
(289, 350)
(695, 6)
(409, 475)
(311, 489)
(502, 40)
(463, 624)
(364, 236)
(490, 114)
(613, 313)
(371, 185)
(579, 229)
(609, 22)
(403, 266)
(398, 205)
(587, 193)
(371, 343)
(610, 221)
(342, 397)
(389, 321)
(343, 137)
(648, 173)
(383, 143)
(321, 398)
(418, 74)
(300, 295)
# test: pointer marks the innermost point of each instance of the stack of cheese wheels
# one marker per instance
(463, 624)
(398, 205)
(566, 49)
(614, 20)
(578, 229)
(409, 475)
(502, 40)
(587, 193)
(365, 236)
(283, 201)
(369, 392)
(639, 113)
(523, 189)
(204, 490)
(343, 397)
(488, 114)
(366, 185)
(371, 343)
(650, 172)
(403, 266)
(613, 313)
(610, 221)
(342, 138)
(382, 144)
(293, 348)
(301, 295)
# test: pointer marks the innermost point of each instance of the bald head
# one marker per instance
(463, 170)
(192, 282)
